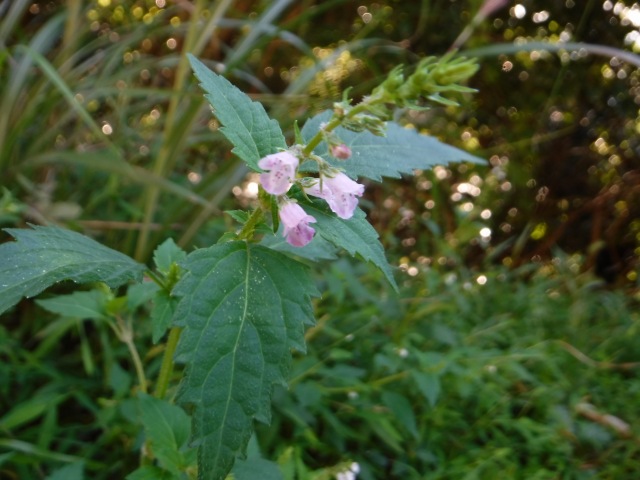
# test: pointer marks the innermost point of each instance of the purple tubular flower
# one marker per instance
(340, 192)
(297, 231)
(280, 172)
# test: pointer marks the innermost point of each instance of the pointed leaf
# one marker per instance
(167, 428)
(402, 411)
(319, 249)
(140, 293)
(166, 254)
(82, 305)
(428, 384)
(43, 256)
(355, 235)
(243, 309)
(161, 314)
(244, 122)
(401, 151)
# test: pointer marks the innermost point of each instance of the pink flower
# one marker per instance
(296, 222)
(340, 192)
(341, 152)
(280, 172)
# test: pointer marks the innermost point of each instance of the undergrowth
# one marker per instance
(523, 375)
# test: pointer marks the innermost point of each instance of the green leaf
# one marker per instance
(30, 409)
(402, 410)
(401, 151)
(428, 384)
(119, 380)
(243, 309)
(148, 472)
(167, 428)
(74, 471)
(166, 254)
(239, 216)
(319, 249)
(244, 122)
(161, 314)
(355, 235)
(82, 305)
(253, 468)
(43, 256)
(140, 293)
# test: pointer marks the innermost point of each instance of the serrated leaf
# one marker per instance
(161, 314)
(166, 254)
(82, 305)
(243, 308)
(167, 428)
(239, 216)
(43, 256)
(244, 122)
(355, 235)
(319, 248)
(401, 151)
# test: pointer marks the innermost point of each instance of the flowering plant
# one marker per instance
(231, 313)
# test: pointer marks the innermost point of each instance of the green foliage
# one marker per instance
(166, 259)
(243, 308)
(461, 379)
(356, 236)
(43, 256)
(245, 123)
(526, 376)
(167, 429)
(400, 151)
(74, 471)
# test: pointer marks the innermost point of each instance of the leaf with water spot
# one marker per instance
(245, 123)
(243, 308)
(43, 256)
(400, 151)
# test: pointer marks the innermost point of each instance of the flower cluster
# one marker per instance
(336, 188)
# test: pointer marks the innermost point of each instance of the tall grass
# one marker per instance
(77, 114)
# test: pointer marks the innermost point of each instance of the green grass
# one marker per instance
(504, 374)
(462, 381)
(452, 379)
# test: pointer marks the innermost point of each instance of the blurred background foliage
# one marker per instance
(104, 130)
(99, 93)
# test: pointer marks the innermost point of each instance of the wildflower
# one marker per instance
(339, 191)
(280, 172)
(296, 222)
(341, 151)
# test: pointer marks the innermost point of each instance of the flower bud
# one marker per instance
(341, 151)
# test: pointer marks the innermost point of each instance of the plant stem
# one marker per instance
(166, 369)
(156, 279)
(126, 336)
(250, 225)
(334, 123)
